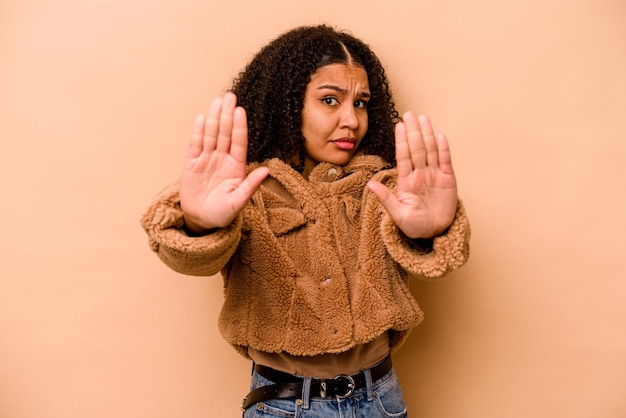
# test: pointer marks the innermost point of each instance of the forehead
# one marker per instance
(341, 75)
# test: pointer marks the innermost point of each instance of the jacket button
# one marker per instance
(332, 172)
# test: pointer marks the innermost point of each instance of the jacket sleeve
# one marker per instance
(199, 256)
(426, 259)
(447, 251)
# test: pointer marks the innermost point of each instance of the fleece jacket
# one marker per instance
(310, 266)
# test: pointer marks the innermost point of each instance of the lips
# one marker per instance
(346, 144)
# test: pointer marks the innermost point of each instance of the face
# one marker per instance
(334, 116)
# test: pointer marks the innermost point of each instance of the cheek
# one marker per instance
(317, 127)
(307, 125)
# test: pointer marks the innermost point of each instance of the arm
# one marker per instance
(199, 256)
(194, 227)
(448, 251)
(424, 225)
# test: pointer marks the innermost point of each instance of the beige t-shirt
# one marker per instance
(326, 366)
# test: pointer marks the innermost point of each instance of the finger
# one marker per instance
(211, 124)
(197, 133)
(417, 149)
(226, 122)
(430, 141)
(403, 155)
(445, 157)
(239, 144)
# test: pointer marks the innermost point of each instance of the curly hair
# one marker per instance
(271, 90)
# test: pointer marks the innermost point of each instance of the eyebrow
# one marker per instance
(342, 91)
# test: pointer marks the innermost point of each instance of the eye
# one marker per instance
(361, 104)
(330, 101)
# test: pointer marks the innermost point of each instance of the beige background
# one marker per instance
(96, 103)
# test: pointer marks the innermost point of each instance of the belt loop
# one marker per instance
(252, 371)
(306, 392)
(368, 384)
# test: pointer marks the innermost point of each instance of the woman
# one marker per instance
(296, 190)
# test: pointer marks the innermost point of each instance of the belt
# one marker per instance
(288, 386)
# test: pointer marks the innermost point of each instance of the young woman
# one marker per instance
(316, 203)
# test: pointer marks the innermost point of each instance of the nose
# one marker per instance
(349, 118)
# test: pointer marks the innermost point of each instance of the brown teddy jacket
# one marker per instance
(310, 266)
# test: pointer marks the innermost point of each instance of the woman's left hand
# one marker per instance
(425, 201)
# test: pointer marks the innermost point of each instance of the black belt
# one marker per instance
(288, 386)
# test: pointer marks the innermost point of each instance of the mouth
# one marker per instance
(345, 144)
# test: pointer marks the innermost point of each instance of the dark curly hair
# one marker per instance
(271, 89)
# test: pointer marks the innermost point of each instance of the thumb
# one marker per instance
(386, 197)
(246, 189)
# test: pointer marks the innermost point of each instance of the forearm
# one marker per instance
(186, 251)
(425, 258)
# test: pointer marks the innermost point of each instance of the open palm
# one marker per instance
(424, 203)
(214, 187)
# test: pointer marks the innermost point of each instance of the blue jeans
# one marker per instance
(383, 398)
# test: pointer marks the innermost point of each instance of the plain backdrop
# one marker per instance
(97, 99)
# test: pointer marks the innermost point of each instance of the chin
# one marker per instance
(341, 160)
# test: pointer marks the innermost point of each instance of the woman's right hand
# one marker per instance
(214, 188)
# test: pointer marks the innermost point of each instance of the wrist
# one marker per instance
(194, 229)
(423, 245)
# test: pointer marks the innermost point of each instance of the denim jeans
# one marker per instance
(383, 398)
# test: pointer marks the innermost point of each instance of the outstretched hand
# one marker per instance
(424, 204)
(214, 187)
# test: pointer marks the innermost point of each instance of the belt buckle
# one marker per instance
(350, 385)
